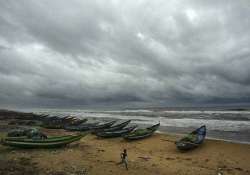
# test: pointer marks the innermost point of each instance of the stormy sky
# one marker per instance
(129, 53)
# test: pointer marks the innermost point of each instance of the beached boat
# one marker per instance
(56, 122)
(154, 127)
(118, 133)
(53, 144)
(45, 117)
(75, 123)
(69, 120)
(47, 140)
(52, 118)
(20, 132)
(113, 128)
(41, 116)
(26, 132)
(81, 127)
(192, 140)
(53, 122)
(142, 133)
(103, 125)
(53, 126)
(89, 126)
(78, 121)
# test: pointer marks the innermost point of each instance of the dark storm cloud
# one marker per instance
(73, 53)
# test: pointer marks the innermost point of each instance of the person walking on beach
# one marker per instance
(124, 158)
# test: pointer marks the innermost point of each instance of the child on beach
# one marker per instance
(124, 158)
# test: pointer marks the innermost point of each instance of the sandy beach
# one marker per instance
(155, 155)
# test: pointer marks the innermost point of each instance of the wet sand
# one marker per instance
(153, 156)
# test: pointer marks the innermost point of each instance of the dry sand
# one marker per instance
(153, 156)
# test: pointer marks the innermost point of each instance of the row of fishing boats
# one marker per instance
(107, 129)
(104, 130)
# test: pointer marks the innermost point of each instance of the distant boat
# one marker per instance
(192, 140)
(142, 133)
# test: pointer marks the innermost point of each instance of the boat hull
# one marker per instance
(142, 133)
(54, 144)
(113, 128)
(189, 143)
(116, 133)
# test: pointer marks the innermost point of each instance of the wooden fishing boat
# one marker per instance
(142, 133)
(81, 127)
(114, 127)
(103, 125)
(154, 127)
(192, 140)
(53, 126)
(75, 123)
(49, 139)
(53, 122)
(118, 133)
(53, 144)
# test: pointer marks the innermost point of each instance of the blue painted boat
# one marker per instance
(192, 140)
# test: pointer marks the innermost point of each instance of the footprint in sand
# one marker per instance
(239, 169)
(169, 158)
(154, 165)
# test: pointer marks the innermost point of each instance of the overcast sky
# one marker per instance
(81, 53)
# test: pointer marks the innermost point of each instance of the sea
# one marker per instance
(223, 124)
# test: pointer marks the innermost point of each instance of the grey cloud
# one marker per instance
(83, 53)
